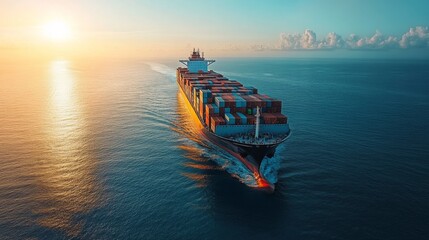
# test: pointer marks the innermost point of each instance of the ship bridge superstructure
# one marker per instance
(196, 62)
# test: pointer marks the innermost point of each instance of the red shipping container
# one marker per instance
(274, 118)
(251, 119)
(280, 118)
(201, 108)
(276, 103)
(241, 110)
(215, 121)
(207, 121)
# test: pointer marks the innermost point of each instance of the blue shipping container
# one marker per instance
(230, 120)
(215, 108)
(242, 117)
(219, 102)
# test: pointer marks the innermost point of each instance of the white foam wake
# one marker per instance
(270, 166)
(269, 169)
(232, 166)
(163, 69)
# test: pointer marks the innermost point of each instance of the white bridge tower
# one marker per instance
(196, 63)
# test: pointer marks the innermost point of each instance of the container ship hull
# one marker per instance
(251, 153)
(240, 138)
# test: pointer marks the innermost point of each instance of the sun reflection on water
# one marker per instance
(197, 168)
(66, 174)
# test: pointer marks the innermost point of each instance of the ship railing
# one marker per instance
(249, 138)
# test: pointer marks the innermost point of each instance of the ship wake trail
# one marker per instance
(231, 165)
(194, 145)
(270, 167)
(163, 69)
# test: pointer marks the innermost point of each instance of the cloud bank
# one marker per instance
(417, 37)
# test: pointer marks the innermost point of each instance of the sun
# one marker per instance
(56, 31)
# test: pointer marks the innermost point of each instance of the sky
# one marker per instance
(161, 28)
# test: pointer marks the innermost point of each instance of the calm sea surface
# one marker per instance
(107, 150)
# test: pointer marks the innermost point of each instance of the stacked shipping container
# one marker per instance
(220, 101)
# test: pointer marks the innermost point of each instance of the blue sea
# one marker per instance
(106, 149)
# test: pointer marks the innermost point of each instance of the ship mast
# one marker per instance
(257, 122)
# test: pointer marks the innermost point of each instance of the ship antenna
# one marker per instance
(258, 114)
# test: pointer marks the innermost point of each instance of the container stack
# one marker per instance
(220, 101)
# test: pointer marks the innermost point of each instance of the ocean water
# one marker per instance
(107, 150)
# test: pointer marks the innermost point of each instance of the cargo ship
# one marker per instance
(246, 124)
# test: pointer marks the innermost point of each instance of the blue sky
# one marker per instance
(228, 24)
(252, 18)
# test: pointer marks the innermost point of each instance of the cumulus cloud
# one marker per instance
(377, 41)
(417, 37)
(308, 39)
(290, 41)
(332, 40)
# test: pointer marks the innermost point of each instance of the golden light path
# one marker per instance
(67, 172)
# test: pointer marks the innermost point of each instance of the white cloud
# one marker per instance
(308, 39)
(290, 41)
(377, 41)
(417, 37)
(332, 40)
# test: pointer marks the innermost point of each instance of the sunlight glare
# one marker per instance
(56, 31)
